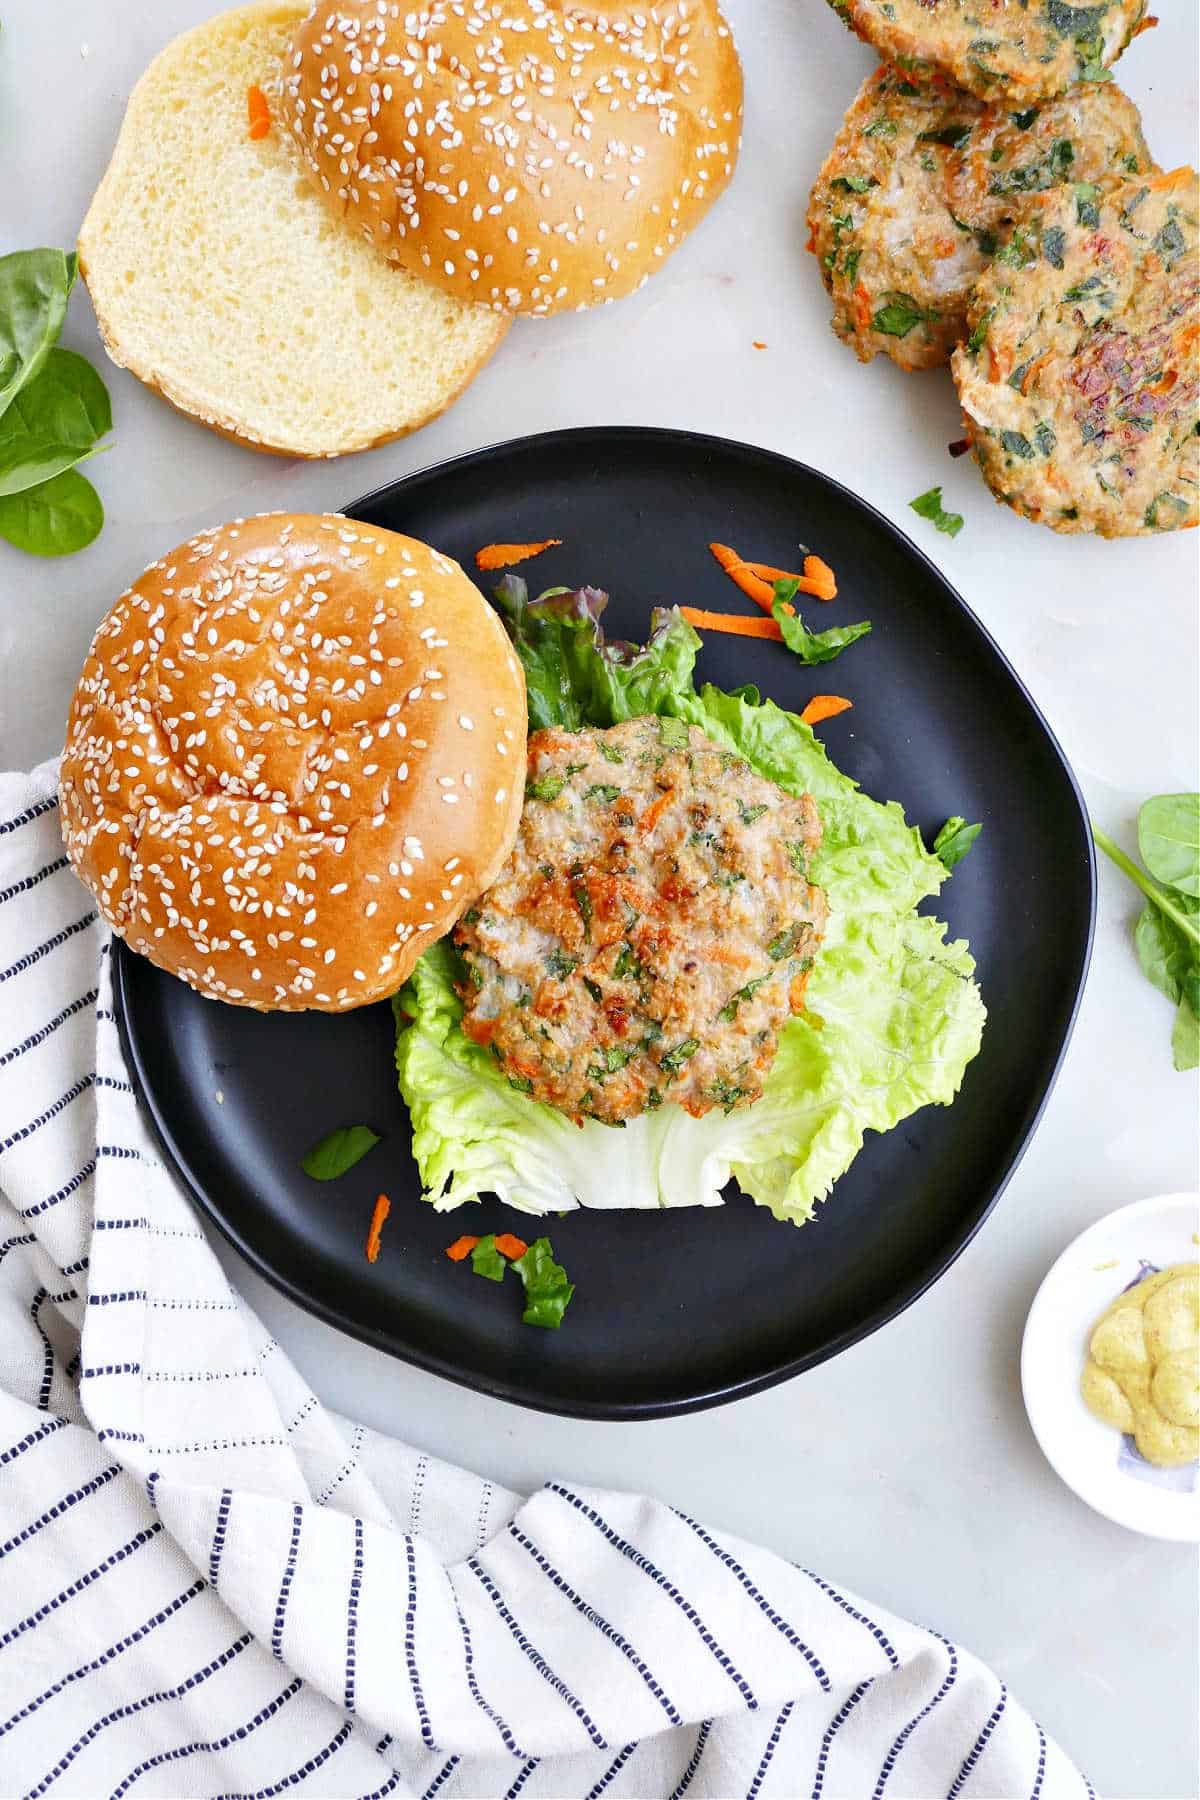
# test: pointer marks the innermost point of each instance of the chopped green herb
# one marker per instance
(1044, 437)
(653, 1100)
(626, 964)
(797, 854)
(611, 1060)
(899, 314)
(854, 184)
(953, 136)
(562, 965)
(1017, 253)
(603, 793)
(1054, 246)
(728, 881)
(978, 337)
(929, 506)
(583, 900)
(339, 1152)
(1087, 208)
(954, 840)
(547, 1290)
(750, 815)
(674, 1060)
(850, 265)
(522, 1083)
(1023, 120)
(596, 992)
(728, 1012)
(610, 753)
(1017, 444)
(486, 1260)
(1170, 243)
(882, 127)
(782, 946)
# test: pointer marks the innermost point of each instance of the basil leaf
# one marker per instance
(978, 337)
(53, 423)
(56, 519)
(812, 647)
(339, 1152)
(1167, 934)
(34, 288)
(954, 840)
(929, 506)
(486, 1260)
(547, 1290)
(1169, 840)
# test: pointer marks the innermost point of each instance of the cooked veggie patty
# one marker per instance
(906, 212)
(653, 929)
(1021, 51)
(1079, 380)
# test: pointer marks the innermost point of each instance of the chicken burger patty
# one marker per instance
(653, 929)
(1079, 381)
(1019, 52)
(907, 210)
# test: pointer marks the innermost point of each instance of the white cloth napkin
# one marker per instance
(212, 1585)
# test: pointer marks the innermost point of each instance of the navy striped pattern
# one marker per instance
(210, 1584)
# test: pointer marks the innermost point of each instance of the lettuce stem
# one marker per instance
(1152, 891)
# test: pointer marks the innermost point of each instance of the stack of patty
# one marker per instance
(990, 204)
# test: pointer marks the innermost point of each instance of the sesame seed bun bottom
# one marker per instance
(294, 756)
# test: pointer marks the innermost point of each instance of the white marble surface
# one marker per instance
(905, 1468)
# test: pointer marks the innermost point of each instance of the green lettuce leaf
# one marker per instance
(893, 1015)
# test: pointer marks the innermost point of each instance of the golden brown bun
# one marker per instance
(537, 155)
(294, 756)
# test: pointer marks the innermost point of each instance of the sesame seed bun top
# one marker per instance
(534, 155)
(294, 756)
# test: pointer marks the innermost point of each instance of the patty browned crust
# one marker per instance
(653, 929)
(1080, 381)
(1021, 51)
(921, 180)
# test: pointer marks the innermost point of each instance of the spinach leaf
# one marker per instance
(1169, 840)
(954, 840)
(929, 506)
(339, 1152)
(547, 1290)
(1087, 203)
(59, 517)
(812, 647)
(34, 288)
(1167, 934)
(54, 422)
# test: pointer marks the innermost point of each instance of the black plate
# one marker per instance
(674, 1310)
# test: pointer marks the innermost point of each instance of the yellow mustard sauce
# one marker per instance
(1142, 1374)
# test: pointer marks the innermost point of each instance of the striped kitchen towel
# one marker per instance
(210, 1584)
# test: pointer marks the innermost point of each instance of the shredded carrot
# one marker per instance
(383, 1207)
(657, 808)
(259, 112)
(862, 308)
(1146, 24)
(818, 578)
(753, 586)
(461, 1248)
(824, 706)
(503, 556)
(757, 580)
(510, 1246)
(731, 959)
(733, 623)
(796, 991)
(758, 344)
(1171, 178)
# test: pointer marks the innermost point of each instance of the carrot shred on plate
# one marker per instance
(504, 556)
(753, 586)
(383, 1207)
(736, 624)
(259, 112)
(512, 1247)
(461, 1248)
(824, 706)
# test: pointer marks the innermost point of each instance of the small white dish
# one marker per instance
(1100, 1464)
